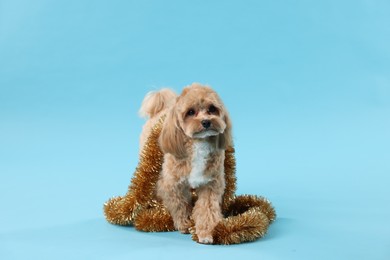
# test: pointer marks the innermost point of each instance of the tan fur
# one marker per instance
(172, 140)
(154, 105)
(180, 132)
(162, 176)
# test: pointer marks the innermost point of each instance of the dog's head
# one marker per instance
(198, 114)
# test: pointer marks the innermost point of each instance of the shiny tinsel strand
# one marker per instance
(246, 217)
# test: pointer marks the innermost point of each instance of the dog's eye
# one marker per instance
(190, 112)
(212, 109)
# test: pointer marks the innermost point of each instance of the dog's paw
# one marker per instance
(184, 227)
(206, 240)
(184, 230)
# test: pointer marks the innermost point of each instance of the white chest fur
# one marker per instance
(201, 153)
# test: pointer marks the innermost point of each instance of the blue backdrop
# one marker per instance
(307, 84)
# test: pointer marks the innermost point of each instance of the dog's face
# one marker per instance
(198, 113)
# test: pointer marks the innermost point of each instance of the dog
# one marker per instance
(196, 132)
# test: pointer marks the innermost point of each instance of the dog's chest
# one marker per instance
(200, 156)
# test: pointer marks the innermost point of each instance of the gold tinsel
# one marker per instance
(247, 217)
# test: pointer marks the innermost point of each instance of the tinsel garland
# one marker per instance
(247, 217)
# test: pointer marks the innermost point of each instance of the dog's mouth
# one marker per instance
(205, 133)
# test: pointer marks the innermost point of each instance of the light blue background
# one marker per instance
(307, 84)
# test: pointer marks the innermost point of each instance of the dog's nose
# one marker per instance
(206, 123)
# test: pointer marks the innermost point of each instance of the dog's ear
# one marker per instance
(172, 137)
(225, 140)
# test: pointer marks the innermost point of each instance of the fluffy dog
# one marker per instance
(186, 163)
(194, 136)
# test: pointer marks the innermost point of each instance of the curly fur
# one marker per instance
(164, 195)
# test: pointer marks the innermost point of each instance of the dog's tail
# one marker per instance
(156, 101)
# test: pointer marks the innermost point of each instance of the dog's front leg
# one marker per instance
(177, 199)
(207, 210)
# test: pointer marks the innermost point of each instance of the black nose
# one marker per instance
(206, 123)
